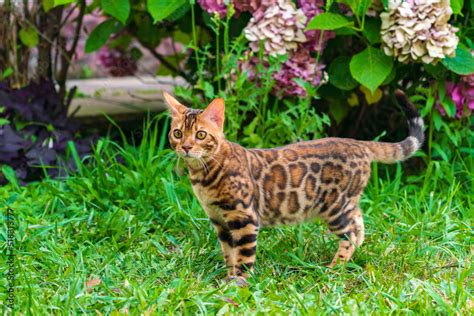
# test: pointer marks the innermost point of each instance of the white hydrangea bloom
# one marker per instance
(418, 30)
(280, 27)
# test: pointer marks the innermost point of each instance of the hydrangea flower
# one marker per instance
(214, 6)
(311, 8)
(280, 27)
(281, 30)
(252, 5)
(418, 30)
(220, 6)
(299, 65)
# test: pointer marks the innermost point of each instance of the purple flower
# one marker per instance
(118, 62)
(214, 6)
(281, 29)
(299, 65)
(311, 8)
(462, 95)
(252, 5)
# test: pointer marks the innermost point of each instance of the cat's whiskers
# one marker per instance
(213, 158)
(203, 162)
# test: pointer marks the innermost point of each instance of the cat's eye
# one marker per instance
(201, 135)
(177, 133)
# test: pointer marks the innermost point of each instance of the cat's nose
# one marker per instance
(187, 147)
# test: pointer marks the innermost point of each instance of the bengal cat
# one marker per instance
(244, 189)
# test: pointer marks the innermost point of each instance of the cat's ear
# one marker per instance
(174, 106)
(215, 112)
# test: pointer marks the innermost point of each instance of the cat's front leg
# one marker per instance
(243, 226)
(227, 246)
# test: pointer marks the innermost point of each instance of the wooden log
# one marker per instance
(119, 98)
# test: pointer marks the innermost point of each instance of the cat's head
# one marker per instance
(195, 134)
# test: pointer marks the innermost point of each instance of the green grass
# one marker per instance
(128, 219)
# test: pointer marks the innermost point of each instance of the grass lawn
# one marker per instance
(127, 219)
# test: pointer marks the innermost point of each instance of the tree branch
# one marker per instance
(70, 53)
(168, 64)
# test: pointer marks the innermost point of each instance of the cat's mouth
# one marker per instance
(190, 155)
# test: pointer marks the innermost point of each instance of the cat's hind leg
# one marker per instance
(349, 226)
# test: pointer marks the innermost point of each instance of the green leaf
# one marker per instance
(180, 12)
(344, 31)
(362, 6)
(48, 5)
(340, 74)
(462, 63)
(328, 21)
(100, 35)
(29, 37)
(372, 30)
(437, 120)
(370, 68)
(119, 9)
(161, 9)
(338, 111)
(7, 72)
(10, 175)
(61, 2)
(4, 121)
(457, 5)
(208, 90)
(359, 7)
(390, 77)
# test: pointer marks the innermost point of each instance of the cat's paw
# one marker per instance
(237, 280)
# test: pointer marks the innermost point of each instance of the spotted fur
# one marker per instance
(243, 189)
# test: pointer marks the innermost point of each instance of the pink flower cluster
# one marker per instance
(214, 6)
(311, 9)
(280, 26)
(462, 94)
(300, 65)
(220, 6)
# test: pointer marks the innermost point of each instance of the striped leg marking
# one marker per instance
(349, 226)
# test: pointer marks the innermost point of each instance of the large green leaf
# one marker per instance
(328, 21)
(61, 2)
(29, 37)
(340, 74)
(462, 63)
(372, 30)
(161, 9)
(47, 5)
(457, 5)
(119, 9)
(100, 35)
(370, 67)
(359, 7)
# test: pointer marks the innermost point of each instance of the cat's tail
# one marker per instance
(393, 152)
